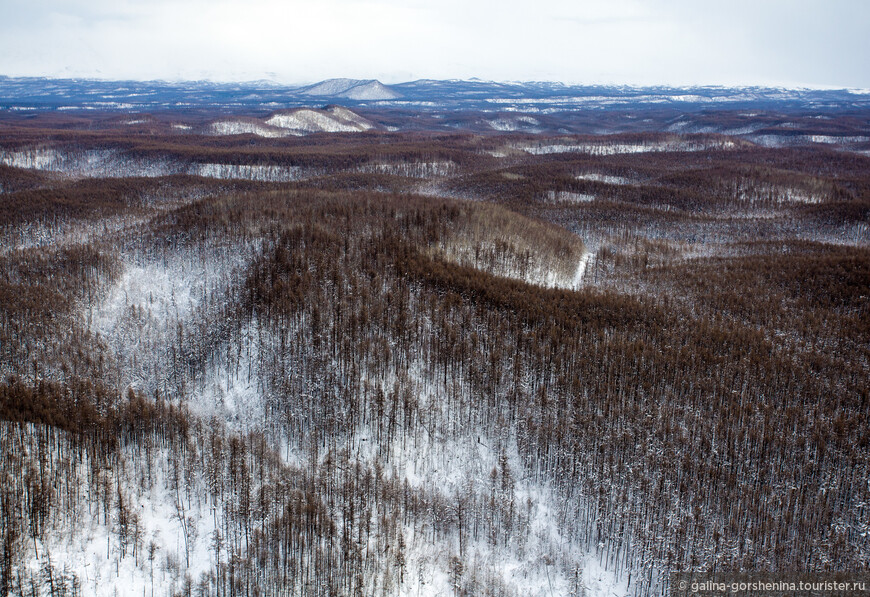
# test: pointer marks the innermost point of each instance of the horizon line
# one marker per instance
(299, 85)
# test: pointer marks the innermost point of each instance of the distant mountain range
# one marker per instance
(36, 94)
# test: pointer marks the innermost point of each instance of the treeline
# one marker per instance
(662, 181)
(83, 200)
(16, 179)
(330, 153)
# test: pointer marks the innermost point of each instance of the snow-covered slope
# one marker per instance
(519, 123)
(352, 89)
(301, 121)
(263, 173)
(102, 163)
(242, 127)
(331, 87)
(613, 148)
(605, 178)
(374, 90)
(115, 163)
(506, 245)
(332, 120)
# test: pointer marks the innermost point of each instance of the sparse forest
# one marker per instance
(410, 363)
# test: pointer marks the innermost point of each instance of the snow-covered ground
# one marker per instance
(168, 531)
(102, 163)
(264, 173)
(242, 127)
(63, 233)
(765, 193)
(469, 467)
(52, 160)
(154, 307)
(605, 178)
(568, 197)
(334, 120)
(111, 163)
(617, 148)
(232, 388)
(534, 269)
(835, 140)
(411, 169)
(519, 123)
(581, 270)
(302, 121)
(352, 89)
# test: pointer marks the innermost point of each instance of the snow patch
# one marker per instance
(520, 123)
(834, 140)
(112, 164)
(568, 197)
(605, 178)
(775, 194)
(89, 553)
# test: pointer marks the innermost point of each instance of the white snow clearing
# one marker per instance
(768, 193)
(146, 316)
(581, 270)
(232, 389)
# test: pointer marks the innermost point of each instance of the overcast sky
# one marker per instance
(727, 42)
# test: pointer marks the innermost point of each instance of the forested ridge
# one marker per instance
(518, 371)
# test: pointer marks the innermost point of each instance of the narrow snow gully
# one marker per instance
(581, 270)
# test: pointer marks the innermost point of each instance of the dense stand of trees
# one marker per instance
(272, 533)
(700, 403)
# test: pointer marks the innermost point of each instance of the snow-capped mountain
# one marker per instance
(353, 89)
